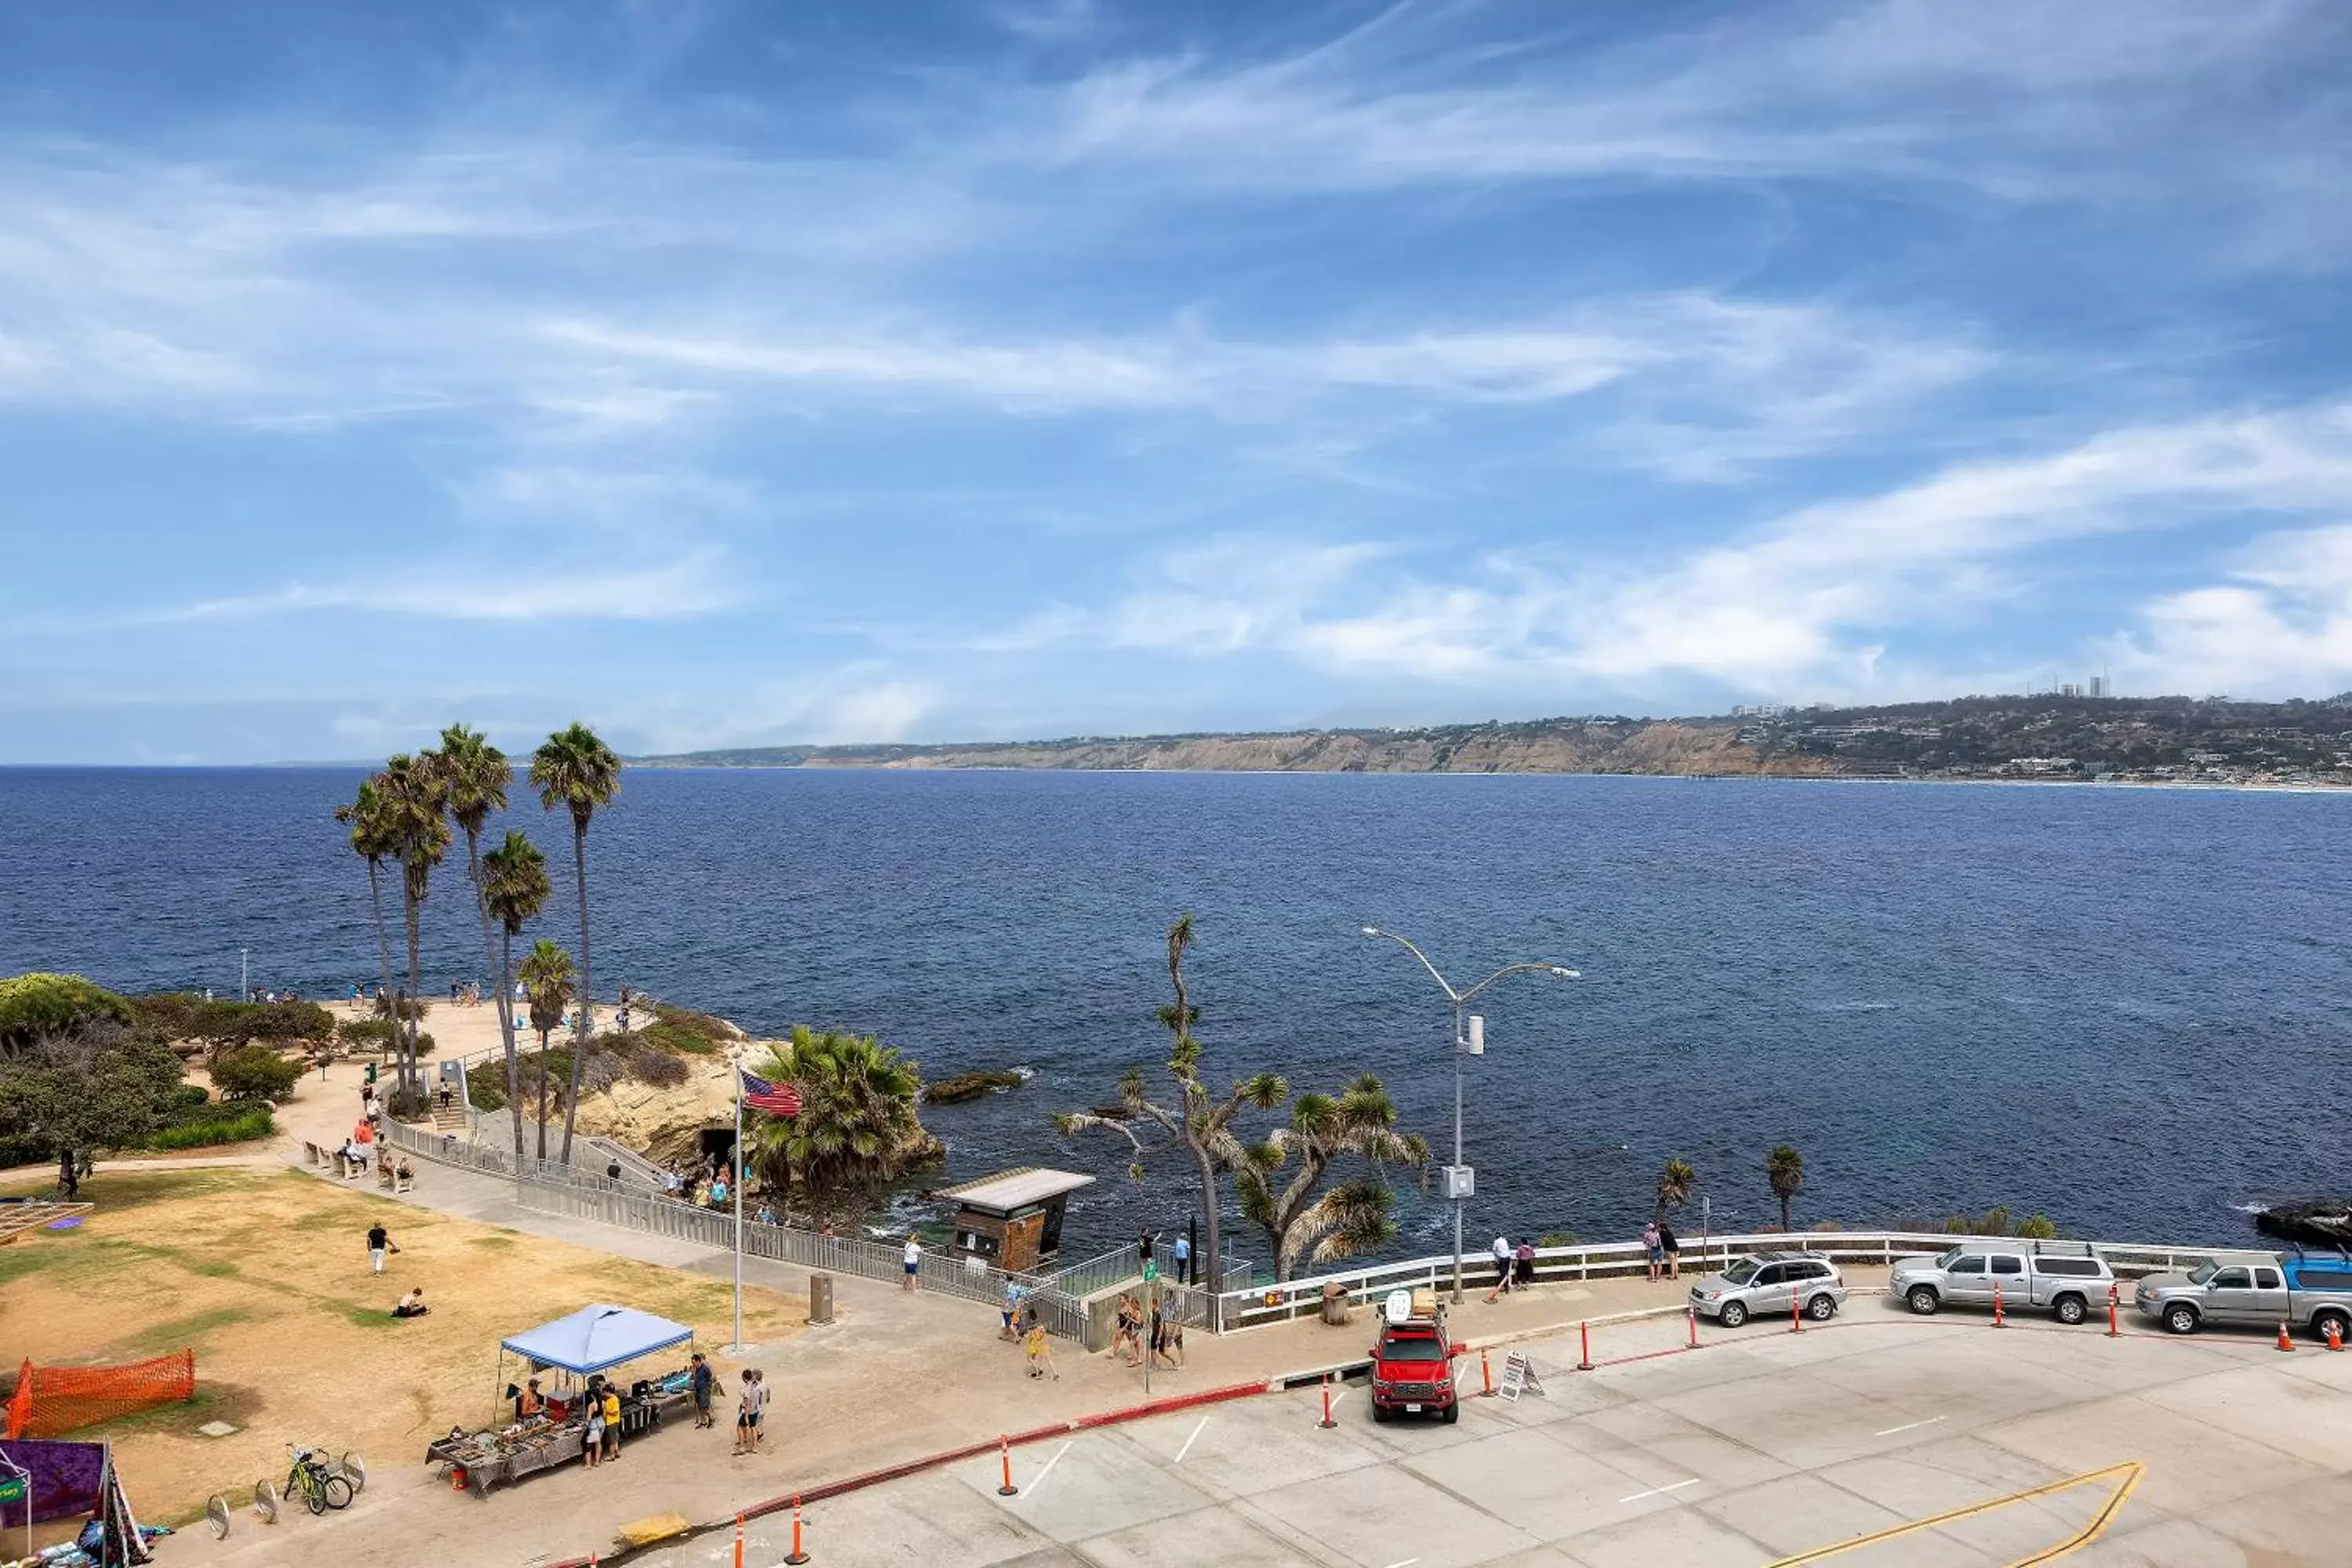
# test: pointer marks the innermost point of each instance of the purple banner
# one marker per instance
(67, 1477)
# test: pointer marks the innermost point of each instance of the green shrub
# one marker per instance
(373, 1034)
(670, 1037)
(239, 1123)
(484, 1093)
(2037, 1227)
(700, 1026)
(35, 1005)
(256, 1072)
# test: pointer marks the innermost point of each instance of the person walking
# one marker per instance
(592, 1439)
(705, 1385)
(1653, 1247)
(747, 1408)
(914, 1259)
(1671, 1244)
(612, 1409)
(1143, 1248)
(1501, 1253)
(1184, 1255)
(379, 1242)
(1012, 1309)
(1041, 1354)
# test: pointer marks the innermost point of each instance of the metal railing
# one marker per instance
(448, 1149)
(1254, 1307)
(1061, 1312)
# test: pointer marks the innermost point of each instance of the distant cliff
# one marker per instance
(1542, 746)
(2048, 737)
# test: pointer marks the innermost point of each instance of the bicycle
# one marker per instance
(319, 1487)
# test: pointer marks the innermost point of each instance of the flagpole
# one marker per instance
(735, 1158)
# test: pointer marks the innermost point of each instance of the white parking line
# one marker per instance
(1661, 1491)
(1188, 1443)
(1408, 1562)
(1032, 1490)
(1335, 1405)
(1907, 1427)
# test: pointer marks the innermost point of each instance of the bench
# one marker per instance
(317, 1156)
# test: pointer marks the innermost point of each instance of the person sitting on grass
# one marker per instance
(411, 1305)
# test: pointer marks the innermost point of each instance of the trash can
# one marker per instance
(1334, 1304)
(820, 1298)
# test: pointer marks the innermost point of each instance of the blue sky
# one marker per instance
(741, 374)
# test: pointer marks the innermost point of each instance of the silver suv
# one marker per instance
(2067, 1279)
(1769, 1284)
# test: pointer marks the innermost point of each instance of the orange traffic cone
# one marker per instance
(2335, 1335)
(2285, 1343)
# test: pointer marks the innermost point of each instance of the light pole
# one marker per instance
(1460, 1180)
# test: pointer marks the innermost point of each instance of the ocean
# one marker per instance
(2124, 1008)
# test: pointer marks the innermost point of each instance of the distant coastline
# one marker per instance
(2176, 741)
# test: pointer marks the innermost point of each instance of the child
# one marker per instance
(1041, 1354)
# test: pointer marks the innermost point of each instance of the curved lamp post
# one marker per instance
(1460, 1182)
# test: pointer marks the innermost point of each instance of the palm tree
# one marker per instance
(1675, 1179)
(1785, 1168)
(856, 1125)
(546, 980)
(1353, 1216)
(372, 841)
(1201, 1121)
(476, 775)
(575, 770)
(414, 798)
(514, 890)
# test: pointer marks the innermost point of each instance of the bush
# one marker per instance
(684, 1029)
(256, 1072)
(484, 1093)
(243, 1123)
(2037, 1227)
(372, 1034)
(36, 1004)
(660, 1070)
(404, 1104)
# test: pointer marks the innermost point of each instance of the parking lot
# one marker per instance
(1760, 1446)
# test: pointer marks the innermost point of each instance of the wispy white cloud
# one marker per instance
(1802, 607)
(2279, 622)
(699, 583)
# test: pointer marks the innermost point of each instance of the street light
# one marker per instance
(1460, 1180)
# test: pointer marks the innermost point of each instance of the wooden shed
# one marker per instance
(1012, 1220)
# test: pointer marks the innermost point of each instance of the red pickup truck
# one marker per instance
(1412, 1371)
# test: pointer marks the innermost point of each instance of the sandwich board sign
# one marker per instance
(1518, 1376)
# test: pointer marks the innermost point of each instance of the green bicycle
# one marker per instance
(311, 1479)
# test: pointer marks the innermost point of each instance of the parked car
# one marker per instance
(1412, 1368)
(1769, 1284)
(2303, 1291)
(2068, 1280)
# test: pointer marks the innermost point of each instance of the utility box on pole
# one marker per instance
(1475, 1044)
(1457, 1182)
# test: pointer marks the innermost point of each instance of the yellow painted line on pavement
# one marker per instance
(2126, 1476)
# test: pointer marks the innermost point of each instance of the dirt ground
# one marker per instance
(265, 1274)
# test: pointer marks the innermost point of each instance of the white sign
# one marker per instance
(1518, 1376)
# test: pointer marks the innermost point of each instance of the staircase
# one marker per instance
(449, 1119)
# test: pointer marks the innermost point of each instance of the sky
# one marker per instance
(729, 375)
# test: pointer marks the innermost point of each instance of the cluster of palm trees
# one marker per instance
(403, 815)
(1784, 1170)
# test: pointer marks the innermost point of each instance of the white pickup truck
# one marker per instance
(2067, 1279)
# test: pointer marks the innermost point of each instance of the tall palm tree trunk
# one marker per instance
(587, 987)
(382, 935)
(542, 1095)
(410, 1077)
(507, 1036)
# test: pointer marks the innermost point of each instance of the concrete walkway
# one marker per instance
(895, 1376)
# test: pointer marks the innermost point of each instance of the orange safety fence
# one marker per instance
(54, 1399)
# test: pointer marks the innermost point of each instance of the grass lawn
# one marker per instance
(265, 1275)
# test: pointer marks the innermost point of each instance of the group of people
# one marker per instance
(381, 1246)
(1138, 1331)
(1515, 1266)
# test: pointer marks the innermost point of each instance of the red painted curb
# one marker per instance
(858, 1482)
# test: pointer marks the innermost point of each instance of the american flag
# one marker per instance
(775, 1099)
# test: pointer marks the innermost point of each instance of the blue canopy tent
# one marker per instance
(594, 1338)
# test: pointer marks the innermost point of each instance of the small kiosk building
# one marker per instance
(1012, 1220)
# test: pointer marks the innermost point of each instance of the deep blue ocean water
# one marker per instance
(2126, 1007)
